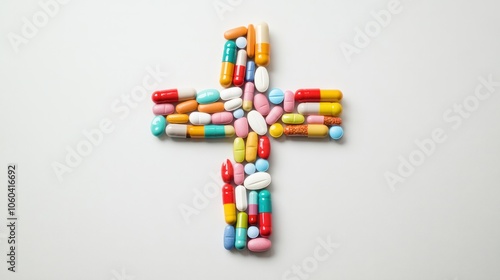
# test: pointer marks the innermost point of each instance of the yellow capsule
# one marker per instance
(309, 130)
(230, 213)
(251, 148)
(276, 130)
(292, 118)
(178, 118)
(239, 149)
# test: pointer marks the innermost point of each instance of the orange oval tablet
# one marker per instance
(212, 107)
(186, 106)
(177, 118)
(250, 40)
(235, 33)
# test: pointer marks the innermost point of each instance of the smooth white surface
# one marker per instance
(116, 215)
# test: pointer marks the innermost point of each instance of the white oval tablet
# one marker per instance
(241, 198)
(257, 181)
(233, 104)
(199, 118)
(231, 93)
(261, 79)
(257, 122)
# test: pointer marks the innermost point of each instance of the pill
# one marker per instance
(222, 118)
(261, 104)
(249, 168)
(248, 94)
(257, 181)
(336, 132)
(158, 125)
(276, 130)
(289, 101)
(229, 204)
(250, 71)
(239, 149)
(262, 46)
(199, 131)
(199, 118)
(163, 109)
(238, 113)
(240, 68)
(173, 95)
(227, 171)
(231, 93)
(310, 130)
(250, 40)
(318, 95)
(261, 79)
(320, 108)
(241, 231)
(253, 207)
(274, 115)
(262, 165)
(233, 104)
(264, 149)
(253, 232)
(178, 118)
(239, 173)
(186, 107)
(241, 198)
(328, 120)
(235, 32)
(292, 118)
(241, 127)
(276, 96)
(207, 96)
(265, 210)
(241, 42)
(211, 108)
(251, 147)
(229, 234)
(259, 245)
(257, 122)
(228, 61)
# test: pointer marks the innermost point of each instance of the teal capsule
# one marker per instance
(229, 54)
(241, 231)
(265, 202)
(158, 125)
(207, 96)
(215, 131)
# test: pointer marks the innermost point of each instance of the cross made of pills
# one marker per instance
(245, 108)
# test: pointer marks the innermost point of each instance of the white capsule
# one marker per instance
(231, 93)
(199, 118)
(176, 130)
(241, 198)
(261, 79)
(257, 181)
(233, 104)
(257, 122)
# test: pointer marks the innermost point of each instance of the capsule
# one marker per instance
(250, 71)
(229, 204)
(199, 131)
(318, 95)
(292, 118)
(289, 102)
(186, 107)
(211, 108)
(262, 45)
(241, 198)
(251, 147)
(274, 115)
(164, 109)
(227, 171)
(229, 234)
(248, 95)
(239, 149)
(173, 95)
(320, 108)
(235, 32)
(240, 68)
(264, 149)
(178, 118)
(253, 207)
(327, 120)
(222, 118)
(265, 210)
(309, 130)
(241, 231)
(207, 96)
(239, 173)
(228, 60)
(250, 40)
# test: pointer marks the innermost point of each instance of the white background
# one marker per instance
(116, 215)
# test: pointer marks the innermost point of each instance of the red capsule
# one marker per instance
(227, 194)
(264, 149)
(173, 95)
(265, 224)
(229, 205)
(240, 68)
(227, 171)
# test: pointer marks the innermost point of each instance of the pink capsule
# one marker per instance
(248, 96)
(163, 109)
(241, 127)
(261, 104)
(289, 102)
(238, 173)
(274, 115)
(222, 118)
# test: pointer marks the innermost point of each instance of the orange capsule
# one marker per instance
(186, 107)
(250, 40)
(212, 107)
(235, 32)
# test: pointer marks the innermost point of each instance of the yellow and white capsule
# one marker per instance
(320, 108)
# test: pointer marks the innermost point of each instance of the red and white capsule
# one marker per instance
(240, 68)
(173, 95)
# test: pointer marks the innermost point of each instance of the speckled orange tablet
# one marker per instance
(211, 108)
(235, 33)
